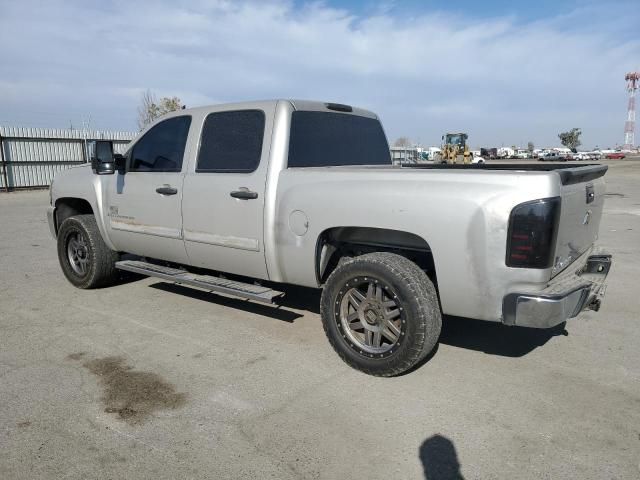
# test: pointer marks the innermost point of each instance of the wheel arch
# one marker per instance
(68, 207)
(336, 243)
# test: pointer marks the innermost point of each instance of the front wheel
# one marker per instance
(381, 314)
(85, 259)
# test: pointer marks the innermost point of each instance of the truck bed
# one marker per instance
(569, 174)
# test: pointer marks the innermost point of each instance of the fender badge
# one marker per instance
(587, 218)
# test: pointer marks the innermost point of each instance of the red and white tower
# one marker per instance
(633, 82)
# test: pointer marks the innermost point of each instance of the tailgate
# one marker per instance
(583, 190)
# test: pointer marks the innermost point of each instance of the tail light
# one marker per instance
(533, 227)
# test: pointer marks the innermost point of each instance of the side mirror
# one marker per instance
(102, 159)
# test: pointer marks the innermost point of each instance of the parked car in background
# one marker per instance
(615, 156)
(589, 156)
(489, 153)
(506, 152)
(551, 157)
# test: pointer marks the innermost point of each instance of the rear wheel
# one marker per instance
(85, 259)
(381, 314)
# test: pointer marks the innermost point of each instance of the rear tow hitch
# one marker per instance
(595, 304)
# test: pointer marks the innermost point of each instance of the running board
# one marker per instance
(207, 282)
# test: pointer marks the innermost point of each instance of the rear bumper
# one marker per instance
(563, 298)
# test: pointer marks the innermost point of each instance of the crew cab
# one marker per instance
(242, 198)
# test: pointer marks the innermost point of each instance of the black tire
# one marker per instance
(93, 264)
(413, 294)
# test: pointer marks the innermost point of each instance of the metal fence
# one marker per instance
(30, 157)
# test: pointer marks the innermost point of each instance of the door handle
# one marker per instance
(166, 190)
(244, 194)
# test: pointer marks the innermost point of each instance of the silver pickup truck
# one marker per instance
(240, 198)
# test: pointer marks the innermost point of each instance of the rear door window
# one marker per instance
(231, 142)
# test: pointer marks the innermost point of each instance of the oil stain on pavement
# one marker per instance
(132, 394)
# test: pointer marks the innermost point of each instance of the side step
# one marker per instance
(207, 282)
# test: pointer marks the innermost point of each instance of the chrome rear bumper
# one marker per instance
(563, 298)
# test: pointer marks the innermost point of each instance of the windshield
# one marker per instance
(455, 139)
(326, 139)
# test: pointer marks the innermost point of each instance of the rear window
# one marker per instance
(327, 139)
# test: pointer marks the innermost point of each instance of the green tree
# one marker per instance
(150, 108)
(571, 139)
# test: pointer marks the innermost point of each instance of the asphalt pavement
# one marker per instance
(151, 380)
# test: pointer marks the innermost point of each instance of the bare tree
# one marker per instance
(402, 142)
(150, 108)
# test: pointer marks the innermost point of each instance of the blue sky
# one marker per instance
(506, 72)
(527, 10)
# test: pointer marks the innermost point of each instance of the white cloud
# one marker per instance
(501, 80)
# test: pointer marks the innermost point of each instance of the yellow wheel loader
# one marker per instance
(454, 149)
